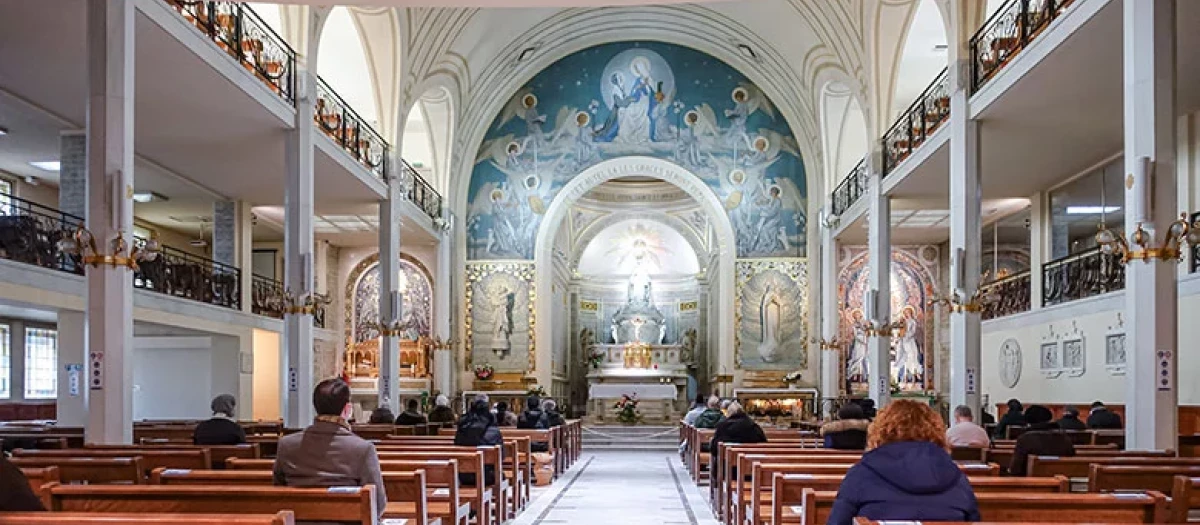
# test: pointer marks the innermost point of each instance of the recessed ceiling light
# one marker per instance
(149, 196)
(46, 165)
(1091, 210)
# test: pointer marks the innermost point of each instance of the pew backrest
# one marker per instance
(1185, 496)
(1117, 478)
(1079, 466)
(152, 457)
(283, 517)
(89, 470)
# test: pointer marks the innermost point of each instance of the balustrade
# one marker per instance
(29, 233)
(1082, 275)
(266, 297)
(1007, 296)
(1009, 30)
(851, 188)
(180, 274)
(241, 33)
(420, 192)
(917, 123)
(350, 131)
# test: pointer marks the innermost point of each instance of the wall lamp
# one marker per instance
(304, 303)
(83, 244)
(958, 303)
(1143, 246)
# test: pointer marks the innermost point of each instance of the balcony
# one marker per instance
(244, 36)
(181, 274)
(345, 127)
(1006, 296)
(1082, 275)
(29, 233)
(268, 299)
(419, 192)
(851, 188)
(1009, 30)
(917, 123)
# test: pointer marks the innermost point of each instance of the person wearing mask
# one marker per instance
(907, 473)
(504, 416)
(849, 432)
(441, 413)
(222, 429)
(15, 493)
(1070, 419)
(1042, 438)
(382, 416)
(327, 453)
(712, 414)
(412, 414)
(477, 428)
(737, 427)
(1014, 417)
(532, 418)
(550, 413)
(965, 433)
(697, 408)
(1101, 418)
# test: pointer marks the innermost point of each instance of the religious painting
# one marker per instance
(500, 316)
(416, 303)
(912, 342)
(771, 317)
(647, 99)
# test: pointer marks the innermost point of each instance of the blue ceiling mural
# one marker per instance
(638, 98)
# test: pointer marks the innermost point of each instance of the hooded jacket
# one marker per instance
(846, 434)
(532, 417)
(710, 418)
(905, 480)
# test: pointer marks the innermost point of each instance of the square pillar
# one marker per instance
(72, 374)
(72, 172)
(1038, 248)
(245, 254)
(966, 250)
(390, 302)
(299, 261)
(830, 353)
(109, 216)
(443, 359)
(1151, 310)
(879, 257)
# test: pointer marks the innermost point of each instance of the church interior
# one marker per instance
(621, 213)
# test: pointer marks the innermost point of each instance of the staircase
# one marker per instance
(638, 437)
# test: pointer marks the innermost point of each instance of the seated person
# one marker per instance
(327, 453)
(1070, 419)
(504, 416)
(849, 432)
(550, 413)
(531, 418)
(1043, 438)
(907, 472)
(1101, 418)
(412, 414)
(477, 428)
(1015, 417)
(737, 427)
(697, 408)
(965, 433)
(221, 429)
(712, 414)
(15, 493)
(382, 416)
(442, 413)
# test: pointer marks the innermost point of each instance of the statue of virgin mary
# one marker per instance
(769, 311)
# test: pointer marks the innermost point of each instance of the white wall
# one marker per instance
(172, 377)
(268, 388)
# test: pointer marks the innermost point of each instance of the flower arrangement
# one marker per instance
(536, 391)
(594, 358)
(792, 377)
(484, 372)
(627, 411)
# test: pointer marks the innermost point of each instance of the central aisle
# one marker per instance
(626, 488)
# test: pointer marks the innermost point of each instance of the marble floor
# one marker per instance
(621, 488)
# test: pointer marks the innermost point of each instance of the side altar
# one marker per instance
(638, 363)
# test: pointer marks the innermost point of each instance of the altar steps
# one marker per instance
(636, 437)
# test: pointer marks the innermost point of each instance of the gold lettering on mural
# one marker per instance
(688, 306)
(589, 306)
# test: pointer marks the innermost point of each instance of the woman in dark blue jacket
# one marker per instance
(907, 473)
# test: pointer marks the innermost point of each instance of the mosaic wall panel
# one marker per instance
(500, 318)
(771, 314)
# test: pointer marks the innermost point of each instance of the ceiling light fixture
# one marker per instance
(3, 131)
(31, 180)
(1091, 210)
(46, 165)
(149, 196)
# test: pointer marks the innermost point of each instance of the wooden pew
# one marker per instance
(722, 484)
(1080, 466)
(219, 453)
(500, 489)
(152, 457)
(340, 504)
(38, 477)
(410, 501)
(747, 493)
(1185, 496)
(89, 470)
(283, 517)
(1003, 456)
(470, 461)
(516, 457)
(445, 500)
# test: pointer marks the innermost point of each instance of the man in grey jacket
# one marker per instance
(327, 453)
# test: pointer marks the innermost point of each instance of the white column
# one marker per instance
(245, 253)
(443, 362)
(389, 292)
(1150, 198)
(830, 357)
(299, 259)
(72, 358)
(966, 203)
(879, 248)
(1039, 224)
(109, 214)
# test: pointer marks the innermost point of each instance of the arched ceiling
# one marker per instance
(498, 3)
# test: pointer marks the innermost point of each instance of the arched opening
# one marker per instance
(342, 63)
(924, 55)
(428, 133)
(844, 132)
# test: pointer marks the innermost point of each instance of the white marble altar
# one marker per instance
(642, 390)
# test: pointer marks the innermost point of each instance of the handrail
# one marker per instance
(420, 192)
(918, 122)
(243, 35)
(852, 188)
(352, 132)
(29, 233)
(269, 299)
(181, 274)
(1006, 33)
(1007, 296)
(1081, 275)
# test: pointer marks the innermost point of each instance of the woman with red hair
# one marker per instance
(906, 473)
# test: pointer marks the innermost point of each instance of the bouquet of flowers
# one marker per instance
(594, 358)
(536, 391)
(484, 372)
(627, 411)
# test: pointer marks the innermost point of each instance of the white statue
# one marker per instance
(910, 369)
(856, 366)
(768, 310)
(502, 321)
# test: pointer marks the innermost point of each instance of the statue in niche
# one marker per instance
(856, 366)
(688, 345)
(502, 299)
(909, 361)
(769, 311)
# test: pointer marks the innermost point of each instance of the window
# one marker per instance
(5, 197)
(5, 362)
(1006, 247)
(1079, 206)
(41, 363)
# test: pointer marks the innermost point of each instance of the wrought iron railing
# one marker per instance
(266, 297)
(180, 274)
(1082, 275)
(420, 192)
(1009, 30)
(1006, 296)
(851, 188)
(29, 233)
(241, 33)
(344, 125)
(917, 123)
(1196, 247)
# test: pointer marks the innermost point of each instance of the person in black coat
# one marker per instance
(1070, 420)
(412, 415)
(532, 418)
(221, 429)
(477, 428)
(1043, 438)
(1014, 417)
(550, 414)
(737, 427)
(382, 416)
(15, 493)
(441, 413)
(1103, 419)
(849, 432)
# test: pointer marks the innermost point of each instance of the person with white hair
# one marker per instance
(442, 413)
(550, 413)
(737, 427)
(222, 429)
(712, 415)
